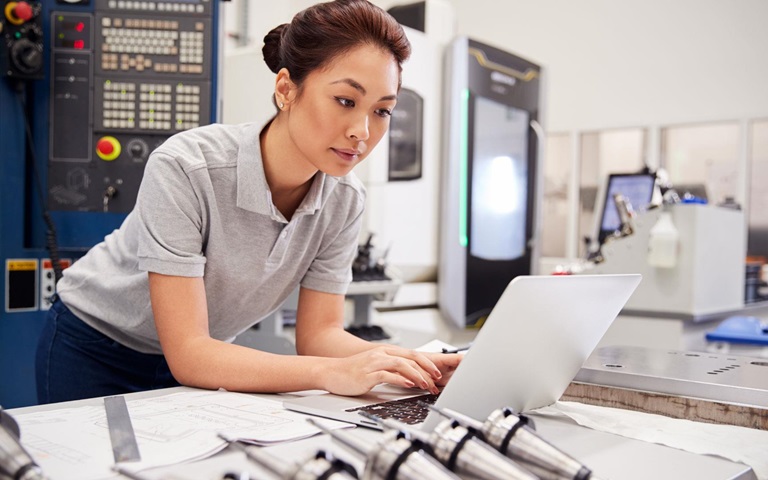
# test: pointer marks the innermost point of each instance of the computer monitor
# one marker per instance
(637, 188)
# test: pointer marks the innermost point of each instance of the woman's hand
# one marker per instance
(446, 363)
(358, 374)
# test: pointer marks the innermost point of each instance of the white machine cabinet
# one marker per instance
(708, 277)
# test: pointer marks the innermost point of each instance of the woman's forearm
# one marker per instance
(212, 364)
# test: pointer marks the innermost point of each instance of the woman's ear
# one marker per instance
(285, 89)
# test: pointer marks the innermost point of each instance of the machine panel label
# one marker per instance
(21, 285)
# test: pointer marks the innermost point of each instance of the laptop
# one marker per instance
(527, 352)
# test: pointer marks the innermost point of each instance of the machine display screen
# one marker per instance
(636, 188)
(499, 181)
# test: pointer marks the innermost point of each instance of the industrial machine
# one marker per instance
(691, 253)
(704, 274)
(89, 88)
(702, 386)
(491, 182)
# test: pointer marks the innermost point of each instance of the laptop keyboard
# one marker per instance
(406, 410)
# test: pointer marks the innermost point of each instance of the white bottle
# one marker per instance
(663, 243)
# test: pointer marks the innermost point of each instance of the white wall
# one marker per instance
(615, 63)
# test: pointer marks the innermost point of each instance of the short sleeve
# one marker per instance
(170, 218)
(331, 270)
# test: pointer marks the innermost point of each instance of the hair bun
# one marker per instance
(272, 50)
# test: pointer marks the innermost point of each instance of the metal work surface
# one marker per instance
(755, 308)
(723, 378)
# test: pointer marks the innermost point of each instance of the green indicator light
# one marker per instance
(464, 170)
(17, 35)
(60, 18)
(179, 121)
(152, 112)
(151, 120)
(123, 92)
(108, 82)
(151, 92)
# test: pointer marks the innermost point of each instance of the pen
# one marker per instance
(457, 350)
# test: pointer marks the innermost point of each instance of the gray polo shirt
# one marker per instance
(204, 209)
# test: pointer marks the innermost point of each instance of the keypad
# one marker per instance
(407, 410)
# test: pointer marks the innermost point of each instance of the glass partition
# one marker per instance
(555, 208)
(703, 157)
(757, 243)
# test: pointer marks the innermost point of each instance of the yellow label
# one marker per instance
(20, 265)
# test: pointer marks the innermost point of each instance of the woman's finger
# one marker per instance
(410, 370)
(422, 360)
(383, 376)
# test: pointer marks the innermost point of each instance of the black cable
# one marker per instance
(51, 242)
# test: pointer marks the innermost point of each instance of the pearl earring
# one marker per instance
(282, 105)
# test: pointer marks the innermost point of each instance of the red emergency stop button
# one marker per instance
(108, 148)
(18, 12)
(23, 11)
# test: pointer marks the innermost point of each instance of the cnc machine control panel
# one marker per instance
(124, 79)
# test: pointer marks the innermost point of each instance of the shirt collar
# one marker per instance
(252, 189)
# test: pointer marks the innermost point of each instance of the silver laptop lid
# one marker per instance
(533, 343)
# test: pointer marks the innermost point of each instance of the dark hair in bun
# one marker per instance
(324, 31)
(271, 48)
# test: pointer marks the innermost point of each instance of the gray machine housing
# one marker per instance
(481, 77)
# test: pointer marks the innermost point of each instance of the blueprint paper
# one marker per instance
(73, 443)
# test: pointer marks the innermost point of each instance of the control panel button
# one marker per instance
(138, 149)
(108, 148)
(26, 56)
(23, 11)
(19, 12)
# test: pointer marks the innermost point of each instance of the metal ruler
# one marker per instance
(124, 446)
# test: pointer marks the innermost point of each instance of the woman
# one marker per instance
(229, 220)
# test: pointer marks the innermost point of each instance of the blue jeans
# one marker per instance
(75, 361)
